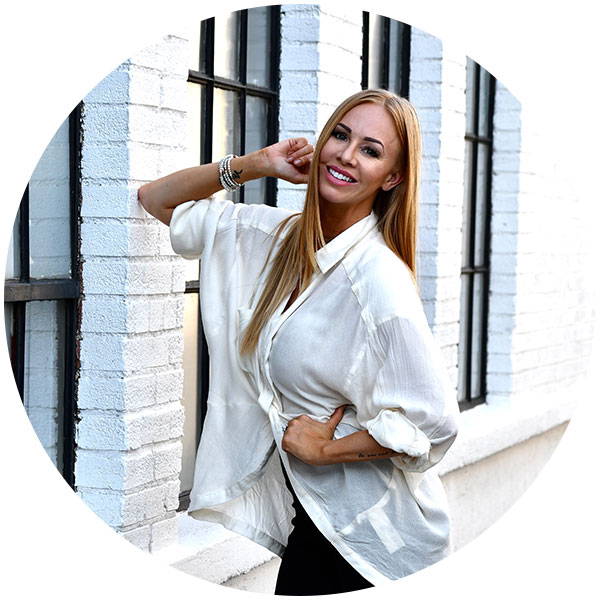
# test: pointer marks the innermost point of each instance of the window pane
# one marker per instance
(466, 234)
(13, 266)
(44, 371)
(226, 46)
(476, 357)
(464, 316)
(195, 92)
(194, 48)
(49, 210)
(226, 128)
(484, 99)
(9, 329)
(259, 47)
(481, 215)
(470, 96)
(397, 30)
(256, 137)
(190, 389)
(375, 50)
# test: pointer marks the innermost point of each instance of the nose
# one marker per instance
(348, 154)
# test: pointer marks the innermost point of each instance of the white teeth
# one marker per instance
(340, 176)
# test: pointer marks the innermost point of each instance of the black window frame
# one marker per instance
(403, 60)
(20, 291)
(470, 269)
(207, 78)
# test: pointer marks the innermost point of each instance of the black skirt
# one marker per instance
(310, 564)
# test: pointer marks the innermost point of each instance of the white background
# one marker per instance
(53, 53)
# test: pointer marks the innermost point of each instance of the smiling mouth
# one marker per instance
(339, 176)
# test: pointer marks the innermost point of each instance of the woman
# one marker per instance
(328, 396)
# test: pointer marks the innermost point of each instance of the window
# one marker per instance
(386, 54)
(41, 293)
(475, 272)
(234, 100)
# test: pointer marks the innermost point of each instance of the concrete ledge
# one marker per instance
(490, 428)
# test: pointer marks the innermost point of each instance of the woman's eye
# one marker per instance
(339, 135)
(371, 151)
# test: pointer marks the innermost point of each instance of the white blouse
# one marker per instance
(358, 336)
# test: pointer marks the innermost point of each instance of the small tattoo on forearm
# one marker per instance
(236, 174)
(377, 455)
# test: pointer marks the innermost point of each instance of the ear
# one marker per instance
(392, 181)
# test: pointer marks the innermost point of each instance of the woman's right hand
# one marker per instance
(289, 159)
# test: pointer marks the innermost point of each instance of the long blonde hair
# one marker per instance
(396, 212)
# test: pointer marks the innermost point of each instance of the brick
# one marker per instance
(174, 158)
(298, 87)
(104, 161)
(169, 386)
(102, 352)
(96, 390)
(424, 46)
(144, 86)
(427, 69)
(148, 277)
(104, 237)
(179, 267)
(304, 56)
(101, 431)
(104, 314)
(298, 114)
(113, 89)
(149, 503)
(43, 421)
(167, 459)
(114, 470)
(107, 505)
(106, 123)
(139, 391)
(150, 125)
(300, 28)
(109, 201)
(145, 352)
(154, 424)
(144, 161)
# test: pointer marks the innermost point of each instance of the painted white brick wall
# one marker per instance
(540, 323)
(131, 377)
(437, 90)
(320, 66)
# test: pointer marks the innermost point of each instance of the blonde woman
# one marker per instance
(329, 401)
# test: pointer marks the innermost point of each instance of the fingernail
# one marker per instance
(298, 161)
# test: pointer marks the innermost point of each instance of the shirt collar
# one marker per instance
(336, 249)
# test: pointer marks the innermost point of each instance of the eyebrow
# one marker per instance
(368, 139)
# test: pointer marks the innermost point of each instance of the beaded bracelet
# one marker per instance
(226, 174)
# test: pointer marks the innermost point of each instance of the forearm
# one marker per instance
(357, 446)
(160, 197)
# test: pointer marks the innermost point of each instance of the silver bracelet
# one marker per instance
(226, 175)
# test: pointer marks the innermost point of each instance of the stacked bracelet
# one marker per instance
(226, 175)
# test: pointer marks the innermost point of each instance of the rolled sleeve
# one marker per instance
(408, 404)
(194, 224)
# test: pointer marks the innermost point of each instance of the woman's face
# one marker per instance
(359, 158)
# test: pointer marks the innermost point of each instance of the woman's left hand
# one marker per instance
(306, 438)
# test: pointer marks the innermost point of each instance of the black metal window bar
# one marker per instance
(20, 292)
(475, 271)
(385, 54)
(256, 24)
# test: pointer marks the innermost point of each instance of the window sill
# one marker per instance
(492, 427)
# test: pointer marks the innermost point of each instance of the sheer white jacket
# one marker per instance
(358, 336)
